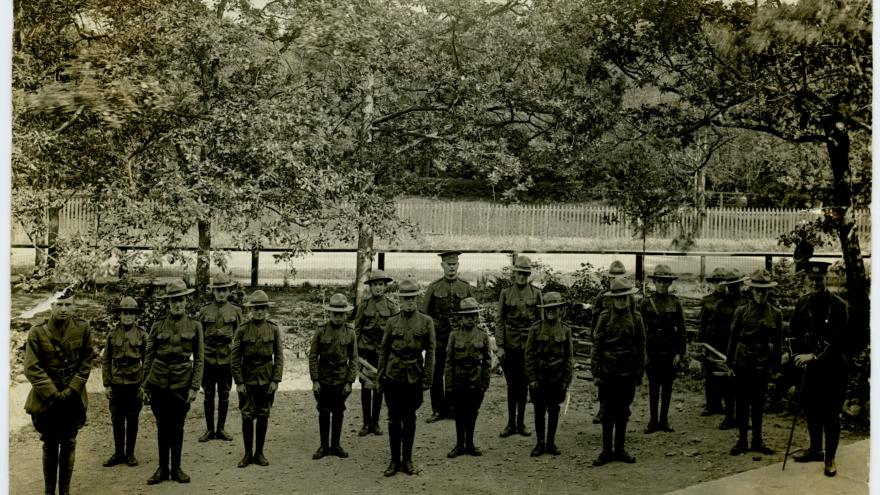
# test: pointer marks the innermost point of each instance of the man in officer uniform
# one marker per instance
(172, 374)
(58, 359)
(122, 371)
(441, 302)
(820, 346)
(722, 320)
(708, 335)
(517, 312)
(220, 320)
(257, 366)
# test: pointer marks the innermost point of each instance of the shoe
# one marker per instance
(830, 468)
(474, 451)
(179, 476)
(159, 476)
(222, 435)
(375, 429)
(762, 449)
(114, 460)
(538, 450)
(706, 412)
(245, 461)
(131, 460)
(434, 418)
(727, 424)
(604, 458)
(455, 452)
(664, 426)
(320, 453)
(652, 427)
(523, 431)
(507, 431)
(739, 448)
(624, 456)
(392, 469)
(338, 451)
(409, 468)
(364, 431)
(552, 449)
(810, 455)
(260, 459)
(597, 418)
(207, 435)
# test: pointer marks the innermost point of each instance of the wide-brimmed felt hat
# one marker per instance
(379, 276)
(523, 264)
(734, 277)
(258, 298)
(761, 279)
(616, 268)
(620, 287)
(408, 288)
(176, 288)
(338, 304)
(718, 275)
(552, 299)
(449, 254)
(663, 271)
(128, 305)
(221, 281)
(469, 305)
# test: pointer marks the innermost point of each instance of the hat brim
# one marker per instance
(409, 294)
(177, 294)
(761, 285)
(627, 292)
(253, 305)
(715, 280)
(735, 281)
(663, 277)
(552, 305)
(337, 309)
(469, 311)
(522, 270)
(387, 280)
(220, 286)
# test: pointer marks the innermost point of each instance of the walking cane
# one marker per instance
(794, 421)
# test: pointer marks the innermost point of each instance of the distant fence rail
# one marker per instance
(482, 219)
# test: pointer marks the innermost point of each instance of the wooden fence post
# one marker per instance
(380, 264)
(255, 267)
(768, 263)
(702, 268)
(640, 267)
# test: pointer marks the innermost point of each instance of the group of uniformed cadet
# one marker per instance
(435, 343)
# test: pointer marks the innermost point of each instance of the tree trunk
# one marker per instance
(52, 237)
(838, 145)
(700, 200)
(364, 259)
(203, 258)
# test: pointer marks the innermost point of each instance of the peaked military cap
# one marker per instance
(128, 304)
(616, 268)
(815, 267)
(620, 287)
(449, 254)
(176, 288)
(663, 271)
(469, 305)
(258, 298)
(761, 279)
(523, 264)
(221, 281)
(379, 276)
(551, 299)
(408, 288)
(338, 304)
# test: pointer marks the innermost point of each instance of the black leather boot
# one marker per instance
(131, 434)
(262, 426)
(209, 421)
(335, 448)
(118, 456)
(324, 431)
(177, 473)
(50, 466)
(220, 433)
(552, 422)
(247, 435)
(66, 458)
(394, 438)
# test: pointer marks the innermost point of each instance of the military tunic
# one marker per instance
(819, 327)
(618, 360)
(369, 323)
(665, 334)
(403, 372)
(257, 360)
(58, 355)
(468, 363)
(122, 369)
(333, 363)
(708, 335)
(441, 302)
(219, 324)
(549, 359)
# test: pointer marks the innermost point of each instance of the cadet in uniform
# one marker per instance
(723, 319)
(755, 351)
(441, 302)
(257, 363)
(369, 325)
(122, 371)
(820, 346)
(220, 320)
(615, 270)
(333, 366)
(549, 357)
(517, 312)
(666, 345)
(172, 374)
(618, 362)
(57, 361)
(468, 369)
(404, 373)
(707, 335)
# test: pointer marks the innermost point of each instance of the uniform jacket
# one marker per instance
(819, 326)
(441, 302)
(257, 354)
(124, 354)
(517, 311)
(57, 356)
(664, 326)
(370, 320)
(175, 354)
(468, 360)
(333, 355)
(756, 337)
(400, 355)
(619, 345)
(707, 316)
(549, 353)
(219, 324)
